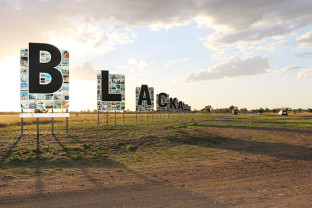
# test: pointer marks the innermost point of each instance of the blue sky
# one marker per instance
(244, 53)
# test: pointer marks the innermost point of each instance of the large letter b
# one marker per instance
(35, 68)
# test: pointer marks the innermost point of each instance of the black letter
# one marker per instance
(35, 68)
(180, 105)
(105, 95)
(173, 103)
(159, 100)
(144, 91)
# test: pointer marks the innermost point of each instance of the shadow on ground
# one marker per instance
(278, 150)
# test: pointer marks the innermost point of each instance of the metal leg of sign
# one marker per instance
(147, 115)
(168, 114)
(22, 125)
(98, 118)
(136, 116)
(123, 118)
(52, 125)
(37, 133)
(106, 117)
(67, 122)
(141, 115)
(115, 117)
(152, 115)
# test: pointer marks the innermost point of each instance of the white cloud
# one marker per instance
(292, 68)
(233, 22)
(84, 72)
(305, 40)
(235, 67)
(302, 71)
(305, 74)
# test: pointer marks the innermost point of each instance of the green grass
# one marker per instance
(139, 144)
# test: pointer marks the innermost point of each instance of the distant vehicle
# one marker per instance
(283, 113)
(235, 111)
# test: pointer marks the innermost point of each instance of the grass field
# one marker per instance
(161, 150)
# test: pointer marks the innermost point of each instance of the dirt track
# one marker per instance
(275, 174)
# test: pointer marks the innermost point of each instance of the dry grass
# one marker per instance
(13, 120)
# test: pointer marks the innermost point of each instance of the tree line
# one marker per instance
(209, 109)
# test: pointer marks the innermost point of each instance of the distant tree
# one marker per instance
(261, 110)
(243, 109)
(222, 110)
(207, 109)
(309, 110)
(232, 107)
(267, 110)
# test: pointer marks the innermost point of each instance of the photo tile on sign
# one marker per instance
(32, 104)
(24, 104)
(57, 105)
(32, 96)
(24, 95)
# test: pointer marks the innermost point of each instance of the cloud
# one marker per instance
(305, 40)
(235, 67)
(232, 21)
(171, 62)
(305, 54)
(249, 23)
(305, 74)
(292, 68)
(84, 72)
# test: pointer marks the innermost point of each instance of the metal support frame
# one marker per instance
(67, 123)
(52, 125)
(123, 118)
(106, 117)
(115, 118)
(98, 118)
(22, 125)
(38, 133)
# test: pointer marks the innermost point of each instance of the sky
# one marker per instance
(246, 53)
